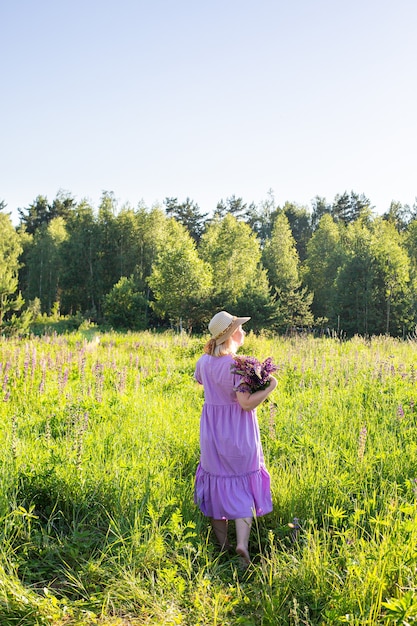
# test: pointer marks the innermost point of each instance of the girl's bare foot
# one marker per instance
(244, 556)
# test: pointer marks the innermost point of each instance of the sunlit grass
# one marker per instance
(99, 448)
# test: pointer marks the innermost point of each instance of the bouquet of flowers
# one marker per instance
(255, 374)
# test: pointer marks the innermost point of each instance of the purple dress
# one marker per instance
(231, 479)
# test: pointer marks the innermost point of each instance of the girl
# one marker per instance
(232, 482)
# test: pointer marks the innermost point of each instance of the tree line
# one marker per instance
(334, 267)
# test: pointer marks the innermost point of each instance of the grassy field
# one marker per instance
(99, 448)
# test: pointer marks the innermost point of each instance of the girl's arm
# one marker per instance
(249, 401)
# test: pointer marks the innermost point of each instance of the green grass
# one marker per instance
(99, 448)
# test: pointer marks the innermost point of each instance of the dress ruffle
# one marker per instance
(232, 497)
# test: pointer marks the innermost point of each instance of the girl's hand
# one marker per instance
(273, 382)
(249, 401)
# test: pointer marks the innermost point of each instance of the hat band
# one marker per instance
(226, 330)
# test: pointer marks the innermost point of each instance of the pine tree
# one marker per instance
(188, 214)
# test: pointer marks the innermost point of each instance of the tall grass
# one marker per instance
(99, 448)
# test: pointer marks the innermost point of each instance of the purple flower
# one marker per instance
(362, 442)
(255, 375)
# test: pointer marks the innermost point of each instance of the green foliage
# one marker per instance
(393, 268)
(139, 235)
(324, 257)
(180, 280)
(280, 256)
(239, 280)
(353, 298)
(18, 325)
(10, 249)
(80, 252)
(43, 263)
(338, 266)
(281, 260)
(55, 323)
(107, 267)
(371, 290)
(299, 220)
(402, 610)
(37, 214)
(320, 207)
(400, 215)
(232, 206)
(348, 208)
(188, 214)
(125, 307)
(40, 213)
(260, 217)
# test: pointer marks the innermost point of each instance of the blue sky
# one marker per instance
(208, 99)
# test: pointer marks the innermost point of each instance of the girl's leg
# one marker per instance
(243, 526)
(220, 530)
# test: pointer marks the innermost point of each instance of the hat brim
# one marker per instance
(235, 324)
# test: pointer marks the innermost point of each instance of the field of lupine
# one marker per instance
(99, 445)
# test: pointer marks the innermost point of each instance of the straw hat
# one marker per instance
(223, 325)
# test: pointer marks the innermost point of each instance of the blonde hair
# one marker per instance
(227, 347)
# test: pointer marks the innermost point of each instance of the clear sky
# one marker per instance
(207, 99)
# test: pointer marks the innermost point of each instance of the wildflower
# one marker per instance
(121, 383)
(48, 433)
(400, 411)
(6, 375)
(272, 414)
(255, 375)
(82, 428)
(14, 436)
(34, 361)
(62, 381)
(295, 529)
(5, 381)
(26, 365)
(43, 379)
(99, 380)
(362, 442)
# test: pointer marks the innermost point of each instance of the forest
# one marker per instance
(332, 268)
